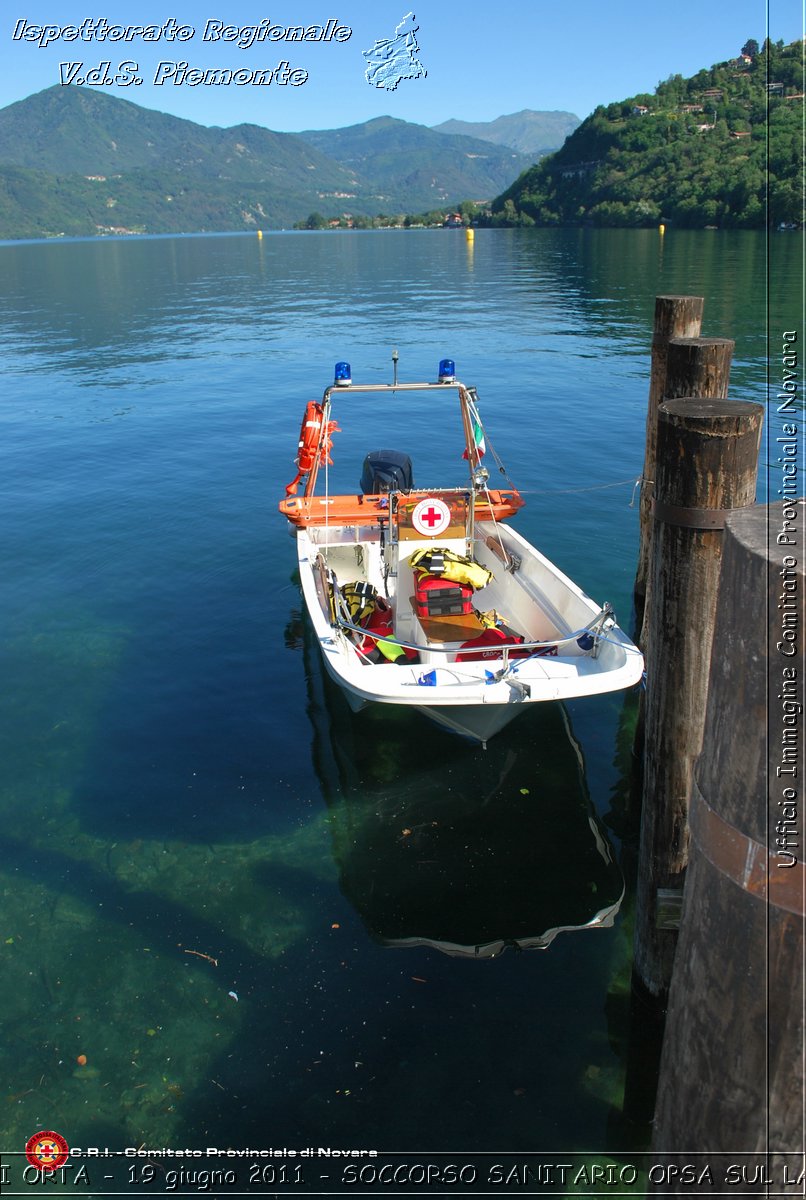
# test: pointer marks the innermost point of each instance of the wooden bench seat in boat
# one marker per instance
(460, 628)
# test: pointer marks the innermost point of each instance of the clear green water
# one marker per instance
(180, 785)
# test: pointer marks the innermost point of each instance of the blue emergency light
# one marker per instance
(447, 370)
(343, 375)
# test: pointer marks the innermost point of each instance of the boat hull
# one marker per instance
(479, 697)
(479, 722)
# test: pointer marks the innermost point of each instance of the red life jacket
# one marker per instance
(380, 622)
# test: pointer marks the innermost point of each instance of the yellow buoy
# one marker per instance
(661, 229)
(260, 233)
(470, 234)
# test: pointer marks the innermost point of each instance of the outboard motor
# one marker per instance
(386, 471)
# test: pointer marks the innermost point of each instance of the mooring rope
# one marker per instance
(594, 487)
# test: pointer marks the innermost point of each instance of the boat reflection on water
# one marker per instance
(441, 843)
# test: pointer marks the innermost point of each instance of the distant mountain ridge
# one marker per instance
(416, 163)
(73, 129)
(77, 161)
(529, 132)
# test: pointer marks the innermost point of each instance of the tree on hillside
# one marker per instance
(714, 149)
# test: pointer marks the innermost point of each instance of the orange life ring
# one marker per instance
(309, 434)
(312, 441)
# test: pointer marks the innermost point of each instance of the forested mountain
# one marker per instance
(77, 161)
(77, 129)
(412, 166)
(528, 132)
(723, 148)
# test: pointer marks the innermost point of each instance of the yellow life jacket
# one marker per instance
(435, 560)
(358, 598)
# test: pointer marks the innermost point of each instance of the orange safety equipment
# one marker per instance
(314, 442)
(385, 649)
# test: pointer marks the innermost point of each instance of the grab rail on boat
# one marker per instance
(594, 630)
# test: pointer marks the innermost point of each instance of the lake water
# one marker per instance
(206, 879)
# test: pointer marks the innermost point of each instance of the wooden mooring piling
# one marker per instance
(722, 752)
(675, 316)
(687, 366)
(707, 457)
(731, 1076)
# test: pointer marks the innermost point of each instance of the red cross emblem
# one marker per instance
(431, 517)
(47, 1150)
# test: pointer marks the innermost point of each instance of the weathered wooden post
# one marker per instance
(675, 316)
(695, 366)
(706, 463)
(731, 1068)
(698, 366)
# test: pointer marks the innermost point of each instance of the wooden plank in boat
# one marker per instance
(460, 628)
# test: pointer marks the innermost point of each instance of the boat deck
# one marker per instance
(360, 555)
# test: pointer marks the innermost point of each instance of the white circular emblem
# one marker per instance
(431, 517)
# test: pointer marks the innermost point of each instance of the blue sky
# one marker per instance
(480, 63)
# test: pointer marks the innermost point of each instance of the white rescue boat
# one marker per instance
(428, 598)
